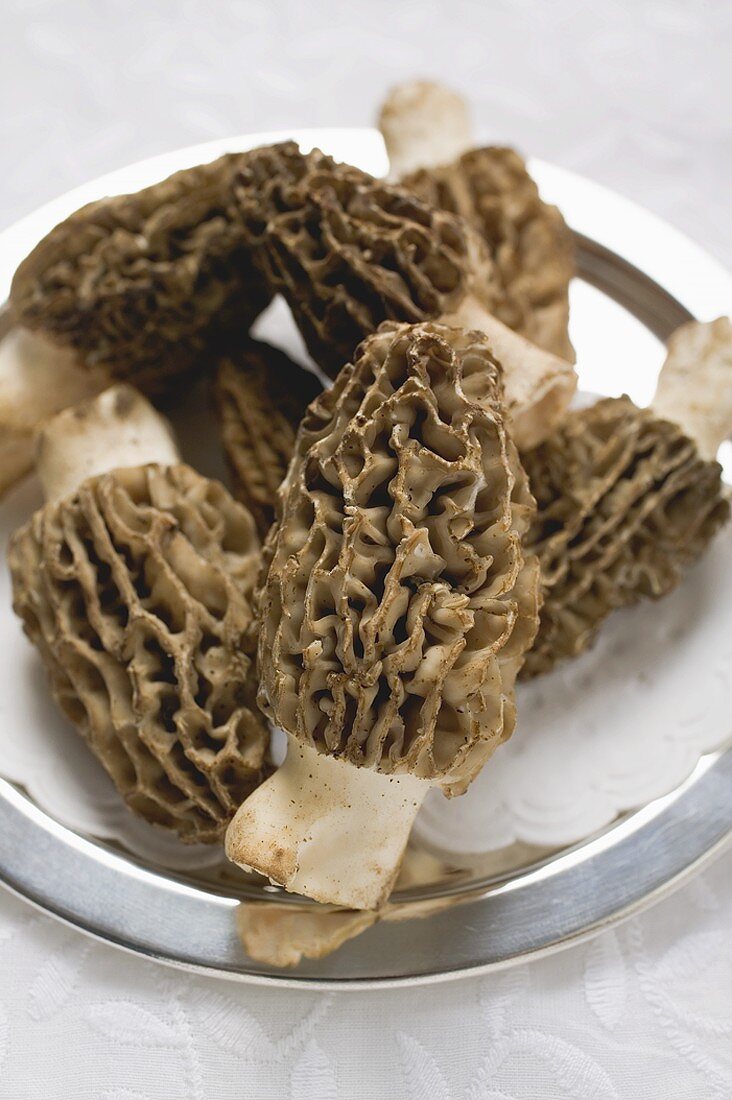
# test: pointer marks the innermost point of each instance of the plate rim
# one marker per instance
(700, 286)
(645, 831)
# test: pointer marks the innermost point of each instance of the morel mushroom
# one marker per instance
(135, 583)
(261, 397)
(348, 252)
(396, 611)
(627, 497)
(429, 140)
(37, 380)
(141, 284)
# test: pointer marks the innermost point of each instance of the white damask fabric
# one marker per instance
(634, 95)
(642, 1011)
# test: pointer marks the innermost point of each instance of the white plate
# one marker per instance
(624, 725)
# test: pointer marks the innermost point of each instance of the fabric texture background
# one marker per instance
(633, 95)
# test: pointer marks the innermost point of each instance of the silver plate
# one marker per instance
(646, 280)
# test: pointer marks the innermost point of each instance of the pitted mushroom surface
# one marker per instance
(428, 137)
(261, 397)
(397, 608)
(136, 586)
(625, 503)
(348, 252)
(628, 497)
(141, 285)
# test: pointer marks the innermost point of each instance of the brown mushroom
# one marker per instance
(135, 582)
(395, 614)
(261, 397)
(139, 285)
(627, 497)
(348, 252)
(429, 140)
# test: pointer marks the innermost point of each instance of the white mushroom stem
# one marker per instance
(539, 386)
(37, 380)
(324, 828)
(424, 125)
(695, 384)
(117, 428)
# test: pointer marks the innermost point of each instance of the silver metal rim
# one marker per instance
(662, 279)
(550, 907)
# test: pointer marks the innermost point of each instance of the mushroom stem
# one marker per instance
(117, 428)
(425, 125)
(538, 385)
(695, 385)
(37, 380)
(324, 828)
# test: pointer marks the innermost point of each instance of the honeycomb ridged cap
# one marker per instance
(261, 397)
(138, 590)
(527, 239)
(398, 604)
(142, 285)
(625, 504)
(348, 251)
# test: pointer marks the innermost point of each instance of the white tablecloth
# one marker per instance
(634, 95)
(642, 1011)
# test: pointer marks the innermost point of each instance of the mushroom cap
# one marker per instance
(625, 503)
(137, 590)
(348, 251)
(398, 604)
(528, 239)
(141, 284)
(261, 397)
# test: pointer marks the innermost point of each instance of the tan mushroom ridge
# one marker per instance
(348, 252)
(628, 498)
(396, 611)
(429, 139)
(140, 285)
(261, 397)
(136, 586)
